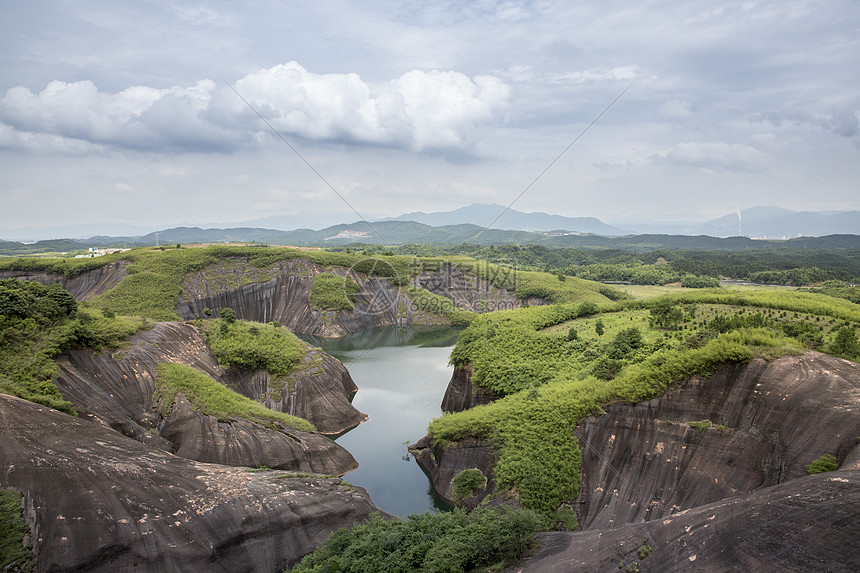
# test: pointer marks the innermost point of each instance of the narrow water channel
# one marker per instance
(401, 374)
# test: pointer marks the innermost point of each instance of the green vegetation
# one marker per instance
(467, 482)
(251, 345)
(489, 537)
(37, 323)
(644, 550)
(548, 380)
(14, 555)
(213, 399)
(825, 463)
(333, 292)
(426, 301)
(700, 426)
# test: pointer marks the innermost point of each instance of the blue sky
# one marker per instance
(120, 112)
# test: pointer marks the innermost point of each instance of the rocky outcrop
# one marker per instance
(469, 292)
(442, 464)
(762, 424)
(461, 394)
(808, 524)
(117, 389)
(284, 299)
(84, 286)
(767, 422)
(98, 501)
(281, 294)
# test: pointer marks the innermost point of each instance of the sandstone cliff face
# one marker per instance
(645, 461)
(281, 294)
(442, 464)
(117, 389)
(84, 286)
(808, 524)
(99, 501)
(461, 394)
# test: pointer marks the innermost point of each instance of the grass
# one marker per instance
(34, 330)
(14, 555)
(251, 345)
(213, 399)
(333, 292)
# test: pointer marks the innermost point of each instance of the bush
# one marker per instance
(825, 463)
(14, 555)
(443, 543)
(467, 482)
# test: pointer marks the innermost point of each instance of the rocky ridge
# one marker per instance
(118, 388)
(96, 500)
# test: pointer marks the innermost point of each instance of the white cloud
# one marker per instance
(595, 75)
(677, 110)
(419, 110)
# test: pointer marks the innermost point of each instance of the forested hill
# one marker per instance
(407, 232)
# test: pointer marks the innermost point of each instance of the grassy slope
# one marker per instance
(214, 399)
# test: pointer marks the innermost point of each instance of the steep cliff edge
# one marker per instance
(83, 286)
(98, 501)
(118, 388)
(761, 424)
(281, 294)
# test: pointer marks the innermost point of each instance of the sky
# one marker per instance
(145, 113)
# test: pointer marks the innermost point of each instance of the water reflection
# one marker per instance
(401, 373)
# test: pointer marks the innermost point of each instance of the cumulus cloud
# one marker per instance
(419, 110)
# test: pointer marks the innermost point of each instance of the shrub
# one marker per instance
(825, 463)
(14, 555)
(467, 482)
(333, 292)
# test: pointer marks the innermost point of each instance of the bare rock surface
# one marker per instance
(281, 294)
(283, 298)
(98, 501)
(443, 464)
(461, 394)
(768, 421)
(84, 286)
(808, 524)
(117, 389)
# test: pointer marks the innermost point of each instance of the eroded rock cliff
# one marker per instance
(808, 524)
(281, 294)
(99, 501)
(84, 286)
(117, 389)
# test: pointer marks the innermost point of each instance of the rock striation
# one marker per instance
(117, 390)
(96, 500)
(808, 524)
(281, 294)
(84, 286)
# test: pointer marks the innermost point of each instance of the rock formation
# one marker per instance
(808, 524)
(96, 500)
(84, 286)
(761, 425)
(117, 389)
(281, 294)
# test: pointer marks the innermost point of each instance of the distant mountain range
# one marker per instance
(497, 217)
(469, 224)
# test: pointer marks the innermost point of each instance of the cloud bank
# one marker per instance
(417, 111)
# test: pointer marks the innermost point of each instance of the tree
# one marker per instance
(665, 314)
(228, 315)
(598, 327)
(572, 334)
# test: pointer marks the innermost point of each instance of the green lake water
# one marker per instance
(401, 374)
